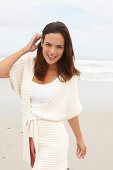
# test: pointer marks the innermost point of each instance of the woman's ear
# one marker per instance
(42, 43)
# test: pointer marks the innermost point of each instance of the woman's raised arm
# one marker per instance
(7, 63)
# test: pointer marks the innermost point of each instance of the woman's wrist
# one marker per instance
(25, 50)
(79, 139)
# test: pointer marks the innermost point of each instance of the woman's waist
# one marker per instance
(50, 123)
(51, 131)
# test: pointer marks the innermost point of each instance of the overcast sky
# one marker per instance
(90, 23)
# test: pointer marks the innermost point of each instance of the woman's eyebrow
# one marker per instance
(48, 42)
(57, 45)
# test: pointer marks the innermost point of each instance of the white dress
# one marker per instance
(53, 140)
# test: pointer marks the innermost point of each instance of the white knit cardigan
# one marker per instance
(64, 103)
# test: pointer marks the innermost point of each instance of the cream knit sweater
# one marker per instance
(63, 105)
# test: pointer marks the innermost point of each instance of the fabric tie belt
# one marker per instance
(31, 125)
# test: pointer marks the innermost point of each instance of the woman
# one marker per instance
(47, 86)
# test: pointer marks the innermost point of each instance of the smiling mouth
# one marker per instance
(51, 57)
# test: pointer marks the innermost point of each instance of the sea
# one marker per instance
(93, 70)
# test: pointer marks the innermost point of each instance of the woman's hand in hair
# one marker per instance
(32, 46)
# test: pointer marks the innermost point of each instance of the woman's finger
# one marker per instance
(79, 151)
(36, 46)
(34, 42)
(37, 36)
(82, 154)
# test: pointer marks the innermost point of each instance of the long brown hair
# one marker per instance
(65, 65)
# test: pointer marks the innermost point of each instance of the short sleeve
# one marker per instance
(16, 74)
(74, 104)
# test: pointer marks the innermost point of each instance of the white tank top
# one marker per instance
(41, 92)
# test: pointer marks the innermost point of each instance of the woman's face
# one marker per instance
(53, 47)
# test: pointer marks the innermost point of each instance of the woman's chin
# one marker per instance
(50, 61)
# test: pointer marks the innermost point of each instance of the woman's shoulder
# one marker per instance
(18, 67)
(24, 59)
(73, 82)
(74, 78)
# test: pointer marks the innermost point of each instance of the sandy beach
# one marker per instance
(96, 123)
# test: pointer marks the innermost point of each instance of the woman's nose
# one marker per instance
(52, 51)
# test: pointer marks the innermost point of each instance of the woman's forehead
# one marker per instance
(54, 38)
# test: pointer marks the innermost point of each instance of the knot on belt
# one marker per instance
(31, 123)
(28, 119)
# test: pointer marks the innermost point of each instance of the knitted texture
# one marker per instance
(63, 105)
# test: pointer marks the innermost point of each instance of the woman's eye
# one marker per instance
(59, 47)
(48, 44)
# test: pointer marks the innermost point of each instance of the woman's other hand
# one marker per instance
(81, 149)
(32, 46)
(32, 151)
